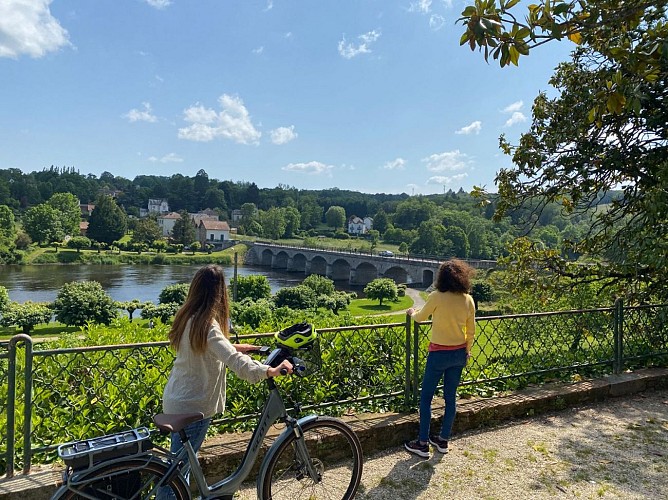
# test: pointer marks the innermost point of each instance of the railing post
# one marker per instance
(27, 408)
(11, 399)
(407, 387)
(416, 347)
(618, 361)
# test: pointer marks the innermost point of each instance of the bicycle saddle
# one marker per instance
(176, 422)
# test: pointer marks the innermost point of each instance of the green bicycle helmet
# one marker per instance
(296, 336)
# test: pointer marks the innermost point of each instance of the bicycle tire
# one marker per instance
(118, 481)
(339, 463)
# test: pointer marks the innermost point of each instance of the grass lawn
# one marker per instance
(365, 307)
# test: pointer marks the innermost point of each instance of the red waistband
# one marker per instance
(440, 347)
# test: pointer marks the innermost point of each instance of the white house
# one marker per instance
(158, 206)
(167, 221)
(357, 225)
(213, 232)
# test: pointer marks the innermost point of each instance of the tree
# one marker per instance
(107, 221)
(7, 226)
(296, 297)
(195, 246)
(27, 315)
(335, 216)
(336, 301)
(43, 224)
(78, 242)
(292, 221)
(381, 289)
(67, 206)
(381, 221)
(184, 229)
(164, 312)
(81, 302)
(147, 231)
(174, 294)
(130, 306)
(431, 239)
(321, 285)
(4, 299)
(253, 287)
(606, 129)
(273, 223)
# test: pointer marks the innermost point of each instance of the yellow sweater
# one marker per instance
(453, 318)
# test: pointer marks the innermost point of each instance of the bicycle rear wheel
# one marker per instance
(132, 478)
(336, 454)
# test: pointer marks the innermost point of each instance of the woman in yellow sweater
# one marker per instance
(452, 310)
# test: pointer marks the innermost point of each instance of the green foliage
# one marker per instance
(183, 232)
(164, 311)
(4, 299)
(335, 216)
(253, 312)
(253, 287)
(335, 301)
(107, 222)
(81, 302)
(174, 294)
(130, 306)
(321, 285)
(296, 297)
(381, 289)
(69, 213)
(606, 128)
(146, 231)
(482, 292)
(78, 243)
(43, 224)
(26, 316)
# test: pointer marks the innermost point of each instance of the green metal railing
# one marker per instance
(50, 396)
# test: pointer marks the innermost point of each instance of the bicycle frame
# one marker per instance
(274, 410)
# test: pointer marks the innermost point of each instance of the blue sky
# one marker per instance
(368, 95)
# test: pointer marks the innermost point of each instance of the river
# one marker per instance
(122, 282)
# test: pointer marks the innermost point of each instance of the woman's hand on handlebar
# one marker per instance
(283, 369)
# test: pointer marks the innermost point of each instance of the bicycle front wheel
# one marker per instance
(335, 453)
(132, 478)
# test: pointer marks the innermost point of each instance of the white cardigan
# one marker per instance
(197, 381)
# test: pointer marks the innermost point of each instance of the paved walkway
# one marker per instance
(614, 449)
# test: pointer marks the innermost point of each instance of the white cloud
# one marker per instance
(168, 158)
(472, 128)
(233, 122)
(259, 50)
(436, 22)
(517, 117)
(159, 4)
(446, 161)
(396, 164)
(270, 5)
(27, 27)
(312, 168)
(421, 6)
(141, 115)
(511, 108)
(283, 135)
(443, 180)
(348, 50)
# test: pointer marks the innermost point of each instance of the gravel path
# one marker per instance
(614, 449)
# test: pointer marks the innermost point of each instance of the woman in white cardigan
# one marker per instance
(200, 336)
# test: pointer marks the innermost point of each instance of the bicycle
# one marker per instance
(314, 457)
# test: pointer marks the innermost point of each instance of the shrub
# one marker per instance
(174, 294)
(82, 302)
(26, 315)
(296, 297)
(254, 287)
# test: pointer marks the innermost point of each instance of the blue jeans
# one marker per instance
(446, 366)
(196, 433)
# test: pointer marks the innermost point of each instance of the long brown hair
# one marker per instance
(455, 276)
(206, 301)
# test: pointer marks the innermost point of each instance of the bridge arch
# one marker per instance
(340, 270)
(398, 274)
(427, 277)
(318, 266)
(280, 260)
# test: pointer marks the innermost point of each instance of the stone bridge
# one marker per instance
(356, 268)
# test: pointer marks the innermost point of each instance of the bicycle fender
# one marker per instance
(274, 447)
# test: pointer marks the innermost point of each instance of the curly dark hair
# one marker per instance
(455, 276)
